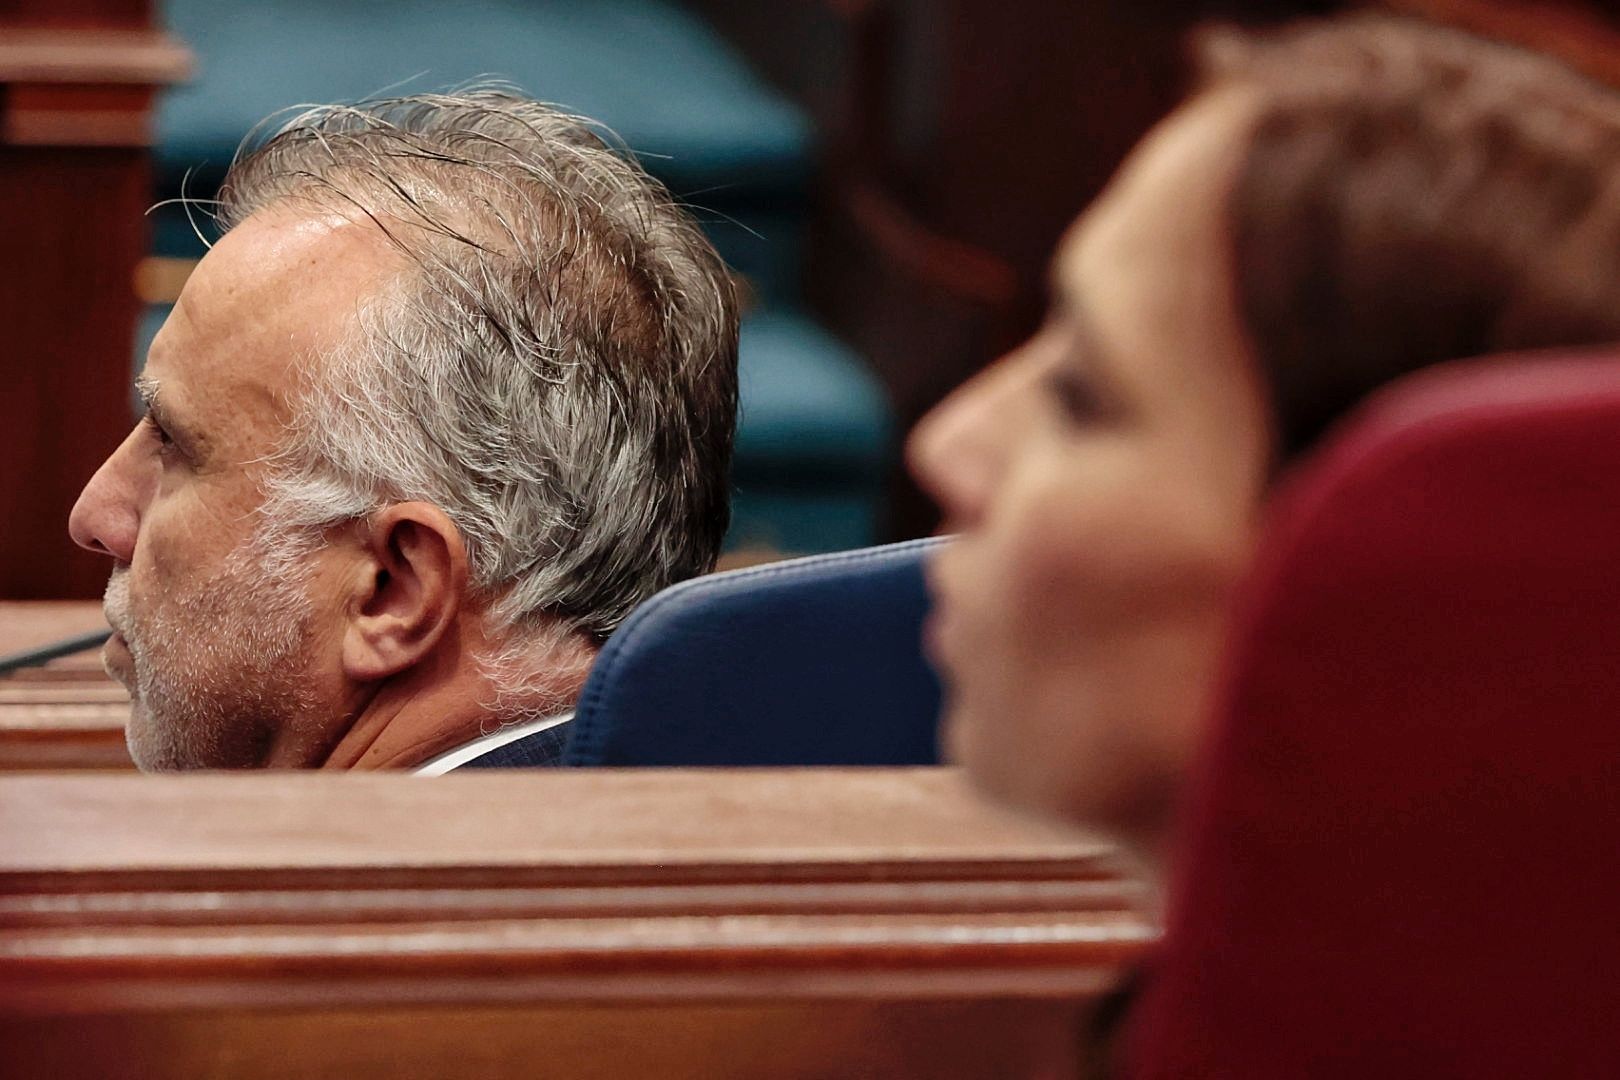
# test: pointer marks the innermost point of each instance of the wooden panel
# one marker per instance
(93, 57)
(25, 624)
(67, 714)
(73, 217)
(77, 116)
(39, 732)
(76, 14)
(76, 86)
(829, 1040)
(664, 922)
(618, 822)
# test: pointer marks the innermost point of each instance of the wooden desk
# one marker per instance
(67, 714)
(667, 923)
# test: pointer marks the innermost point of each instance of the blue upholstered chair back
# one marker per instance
(812, 661)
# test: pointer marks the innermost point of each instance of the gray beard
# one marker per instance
(218, 666)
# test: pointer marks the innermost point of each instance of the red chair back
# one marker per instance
(1401, 854)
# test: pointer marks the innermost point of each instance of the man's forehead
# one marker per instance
(278, 289)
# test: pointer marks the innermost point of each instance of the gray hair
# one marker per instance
(555, 368)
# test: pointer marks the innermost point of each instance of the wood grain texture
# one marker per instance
(91, 56)
(656, 922)
(73, 217)
(825, 1040)
(77, 14)
(76, 86)
(67, 714)
(24, 624)
(615, 821)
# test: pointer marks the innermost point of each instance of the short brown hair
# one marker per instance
(1413, 194)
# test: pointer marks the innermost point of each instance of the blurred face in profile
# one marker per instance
(1104, 479)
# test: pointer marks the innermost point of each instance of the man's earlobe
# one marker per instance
(409, 590)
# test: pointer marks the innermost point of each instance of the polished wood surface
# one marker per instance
(768, 923)
(57, 56)
(748, 922)
(66, 714)
(49, 727)
(77, 14)
(985, 1039)
(25, 624)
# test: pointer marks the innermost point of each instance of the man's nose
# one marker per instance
(107, 516)
(955, 452)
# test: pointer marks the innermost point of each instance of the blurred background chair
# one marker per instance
(814, 661)
(1399, 853)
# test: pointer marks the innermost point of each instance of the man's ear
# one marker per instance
(410, 585)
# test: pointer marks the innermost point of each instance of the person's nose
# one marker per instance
(107, 517)
(958, 450)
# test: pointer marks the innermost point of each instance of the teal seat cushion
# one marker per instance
(651, 70)
(810, 407)
(803, 520)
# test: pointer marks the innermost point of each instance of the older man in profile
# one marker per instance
(454, 392)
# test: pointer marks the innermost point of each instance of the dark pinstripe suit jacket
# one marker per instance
(543, 749)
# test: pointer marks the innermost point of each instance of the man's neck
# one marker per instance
(413, 719)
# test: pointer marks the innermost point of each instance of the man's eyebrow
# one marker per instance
(149, 390)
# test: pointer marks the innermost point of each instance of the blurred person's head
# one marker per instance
(454, 392)
(1338, 205)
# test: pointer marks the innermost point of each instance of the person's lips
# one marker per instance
(117, 659)
(115, 602)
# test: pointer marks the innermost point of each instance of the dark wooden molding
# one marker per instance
(83, 88)
(76, 14)
(92, 57)
(77, 82)
(65, 715)
(622, 826)
(746, 923)
(295, 891)
(46, 728)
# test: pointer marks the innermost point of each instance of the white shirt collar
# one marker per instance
(460, 755)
